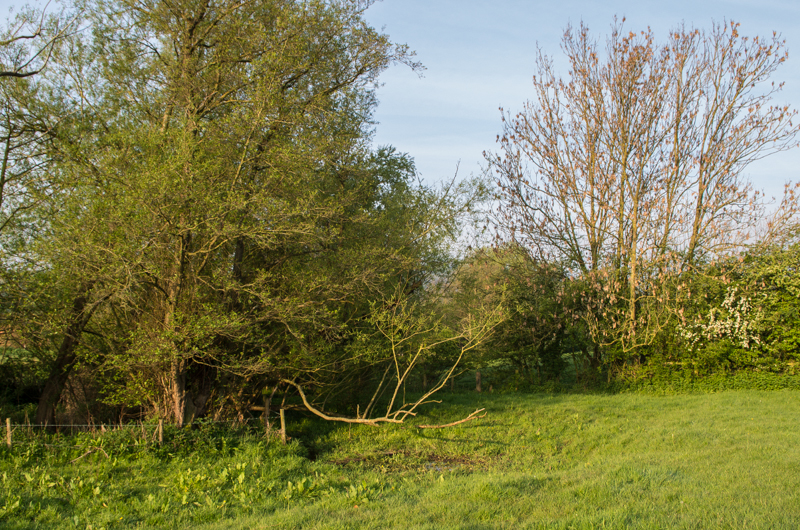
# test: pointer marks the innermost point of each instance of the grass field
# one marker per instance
(724, 460)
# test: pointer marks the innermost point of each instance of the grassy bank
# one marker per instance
(726, 460)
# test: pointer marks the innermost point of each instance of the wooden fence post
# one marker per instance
(478, 381)
(283, 428)
(267, 408)
(160, 431)
(8, 432)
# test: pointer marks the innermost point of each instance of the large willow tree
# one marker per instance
(221, 222)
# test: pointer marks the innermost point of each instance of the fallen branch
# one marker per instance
(377, 421)
(472, 416)
(324, 416)
(90, 451)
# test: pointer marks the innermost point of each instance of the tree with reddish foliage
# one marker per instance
(629, 171)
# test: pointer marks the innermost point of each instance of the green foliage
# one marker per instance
(741, 314)
(203, 477)
(773, 274)
(22, 373)
(542, 306)
(659, 380)
(214, 218)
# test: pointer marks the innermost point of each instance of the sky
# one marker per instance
(480, 55)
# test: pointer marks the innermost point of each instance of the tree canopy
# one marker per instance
(215, 219)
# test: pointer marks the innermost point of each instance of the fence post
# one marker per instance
(478, 381)
(8, 432)
(265, 417)
(160, 431)
(283, 428)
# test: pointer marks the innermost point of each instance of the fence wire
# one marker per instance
(147, 433)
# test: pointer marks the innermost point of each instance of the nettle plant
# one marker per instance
(734, 320)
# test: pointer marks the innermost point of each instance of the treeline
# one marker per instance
(195, 221)
(738, 315)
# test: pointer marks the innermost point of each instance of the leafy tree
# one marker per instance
(28, 115)
(227, 226)
(755, 313)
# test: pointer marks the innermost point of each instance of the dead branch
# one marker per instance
(376, 421)
(324, 416)
(471, 417)
(90, 451)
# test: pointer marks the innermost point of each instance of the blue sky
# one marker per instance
(479, 55)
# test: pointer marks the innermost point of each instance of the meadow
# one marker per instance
(626, 460)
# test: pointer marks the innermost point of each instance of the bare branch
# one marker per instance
(471, 417)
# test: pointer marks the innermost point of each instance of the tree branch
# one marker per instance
(471, 417)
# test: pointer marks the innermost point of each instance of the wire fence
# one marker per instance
(154, 433)
(147, 433)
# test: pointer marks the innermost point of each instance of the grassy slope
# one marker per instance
(727, 460)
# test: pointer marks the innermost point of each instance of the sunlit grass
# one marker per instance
(726, 460)
(729, 460)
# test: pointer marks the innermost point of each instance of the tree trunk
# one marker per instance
(178, 391)
(65, 360)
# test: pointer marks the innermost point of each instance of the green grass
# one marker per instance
(725, 460)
